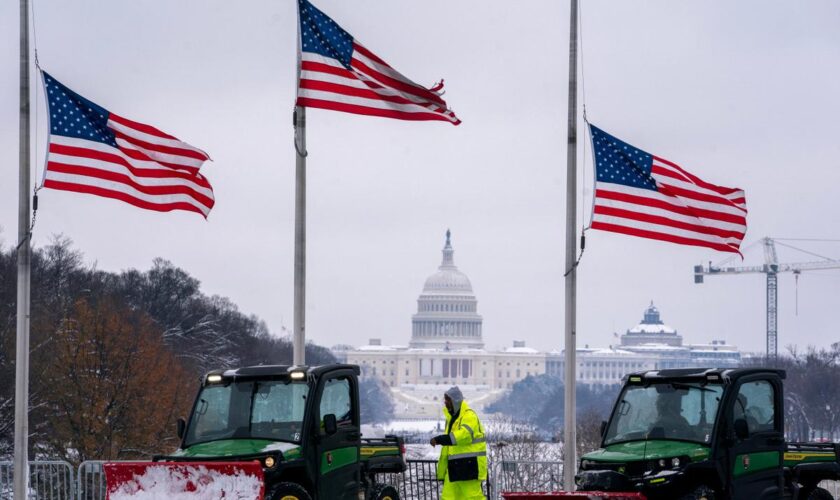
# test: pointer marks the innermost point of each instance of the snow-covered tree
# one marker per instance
(375, 401)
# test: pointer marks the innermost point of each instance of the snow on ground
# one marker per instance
(421, 452)
(421, 425)
(162, 482)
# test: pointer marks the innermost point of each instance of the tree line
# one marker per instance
(116, 357)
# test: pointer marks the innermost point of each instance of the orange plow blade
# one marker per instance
(184, 480)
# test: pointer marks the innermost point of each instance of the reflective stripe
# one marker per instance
(452, 438)
(467, 455)
(472, 434)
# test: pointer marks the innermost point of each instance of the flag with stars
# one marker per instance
(639, 194)
(94, 151)
(338, 73)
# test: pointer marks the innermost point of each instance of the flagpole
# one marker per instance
(21, 456)
(299, 334)
(570, 380)
(299, 119)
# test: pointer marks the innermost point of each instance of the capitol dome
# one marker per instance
(448, 279)
(447, 315)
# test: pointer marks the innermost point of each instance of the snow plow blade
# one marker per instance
(184, 480)
(590, 495)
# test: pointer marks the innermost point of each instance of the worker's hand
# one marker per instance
(433, 442)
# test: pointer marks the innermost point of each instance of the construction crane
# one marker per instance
(771, 268)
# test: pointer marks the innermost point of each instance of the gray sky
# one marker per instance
(741, 93)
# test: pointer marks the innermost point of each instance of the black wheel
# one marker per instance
(815, 494)
(288, 491)
(383, 492)
(701, 492)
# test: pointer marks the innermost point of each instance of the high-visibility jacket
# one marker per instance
(468, 448)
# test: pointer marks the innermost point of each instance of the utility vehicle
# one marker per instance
(706, 434)
(301, 424)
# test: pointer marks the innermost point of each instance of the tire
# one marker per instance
(383, 492)
(816, 494)
(288, 491)
(701, 492)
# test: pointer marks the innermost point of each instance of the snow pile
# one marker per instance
(187, 483)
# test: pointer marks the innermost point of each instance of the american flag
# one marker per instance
(94, 151)
(643, 195)
(338, 73)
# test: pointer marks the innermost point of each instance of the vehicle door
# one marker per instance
(337, 445)
(754, 421)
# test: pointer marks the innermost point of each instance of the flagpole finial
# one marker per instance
(448, 237)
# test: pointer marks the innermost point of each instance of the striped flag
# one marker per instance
(338, 73)
(94, 151)
(643, 195)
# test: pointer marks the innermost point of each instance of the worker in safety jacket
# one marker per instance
(463, 459)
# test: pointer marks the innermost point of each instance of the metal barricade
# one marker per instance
(90, 479)
(525, 476)
(48, 480)
(418, 482)
(6, 480)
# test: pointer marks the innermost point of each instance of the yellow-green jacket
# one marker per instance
(466, 457)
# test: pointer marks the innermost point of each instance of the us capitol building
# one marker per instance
(447, 348)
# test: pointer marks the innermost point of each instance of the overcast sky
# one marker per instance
(743, 94)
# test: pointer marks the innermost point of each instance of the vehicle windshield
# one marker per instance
(684, 412)
(270, 409)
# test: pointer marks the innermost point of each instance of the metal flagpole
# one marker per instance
(21, 458)
(299, 335)
(570, 380)
(299, 326)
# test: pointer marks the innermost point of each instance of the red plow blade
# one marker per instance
(590, 495)
(184, 480)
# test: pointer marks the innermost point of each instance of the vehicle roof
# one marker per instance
(283, 370)
(692, 374)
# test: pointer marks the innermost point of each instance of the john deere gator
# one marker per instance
(299, 426)
(706, 434)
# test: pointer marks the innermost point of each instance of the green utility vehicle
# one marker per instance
(706, 434)
(300, 423)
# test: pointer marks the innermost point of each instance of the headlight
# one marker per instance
(586, 464)
(662, 463)
(269, 462)
(676, 462)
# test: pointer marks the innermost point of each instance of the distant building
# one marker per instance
(447, 348)
(650, 345)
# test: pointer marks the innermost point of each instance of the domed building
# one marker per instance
(446, 348)
(447, 316)
(651, 330)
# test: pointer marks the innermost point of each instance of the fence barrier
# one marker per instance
(55, 480)
(525, 476)
(418, 482)
(48, 480)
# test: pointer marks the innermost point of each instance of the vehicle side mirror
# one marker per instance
(603, 427)
(181, 427)
(742, 430)
(330, 424)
